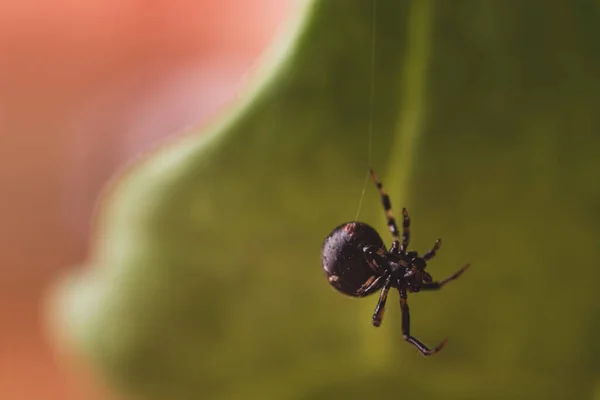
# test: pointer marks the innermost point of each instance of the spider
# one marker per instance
(357, 264)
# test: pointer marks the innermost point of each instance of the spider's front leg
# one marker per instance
(387, 208)
(426, 351)
(405, 231)
(431, 253)
(439, 285)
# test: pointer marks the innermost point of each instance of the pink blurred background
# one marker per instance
(84, 87)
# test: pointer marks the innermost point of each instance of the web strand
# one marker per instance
(371, 105)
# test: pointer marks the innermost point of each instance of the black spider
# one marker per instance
(357, 264)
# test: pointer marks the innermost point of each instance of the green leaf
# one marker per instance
(205, 281)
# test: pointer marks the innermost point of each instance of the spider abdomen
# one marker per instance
(344, 259)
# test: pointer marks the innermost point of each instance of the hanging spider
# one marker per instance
(357, 264)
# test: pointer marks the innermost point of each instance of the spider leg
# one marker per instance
(405, 231)
(387, 206)
(431, 253)
(426, 351)
(369, 285)
(380, 308)
(438, 285)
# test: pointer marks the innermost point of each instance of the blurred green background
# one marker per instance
(205, 280)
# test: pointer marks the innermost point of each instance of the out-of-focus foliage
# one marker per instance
(206, 279)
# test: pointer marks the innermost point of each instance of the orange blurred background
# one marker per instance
(85, 87)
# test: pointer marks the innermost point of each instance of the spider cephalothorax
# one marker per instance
(358, 264)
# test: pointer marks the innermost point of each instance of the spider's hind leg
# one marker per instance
(380, 308)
